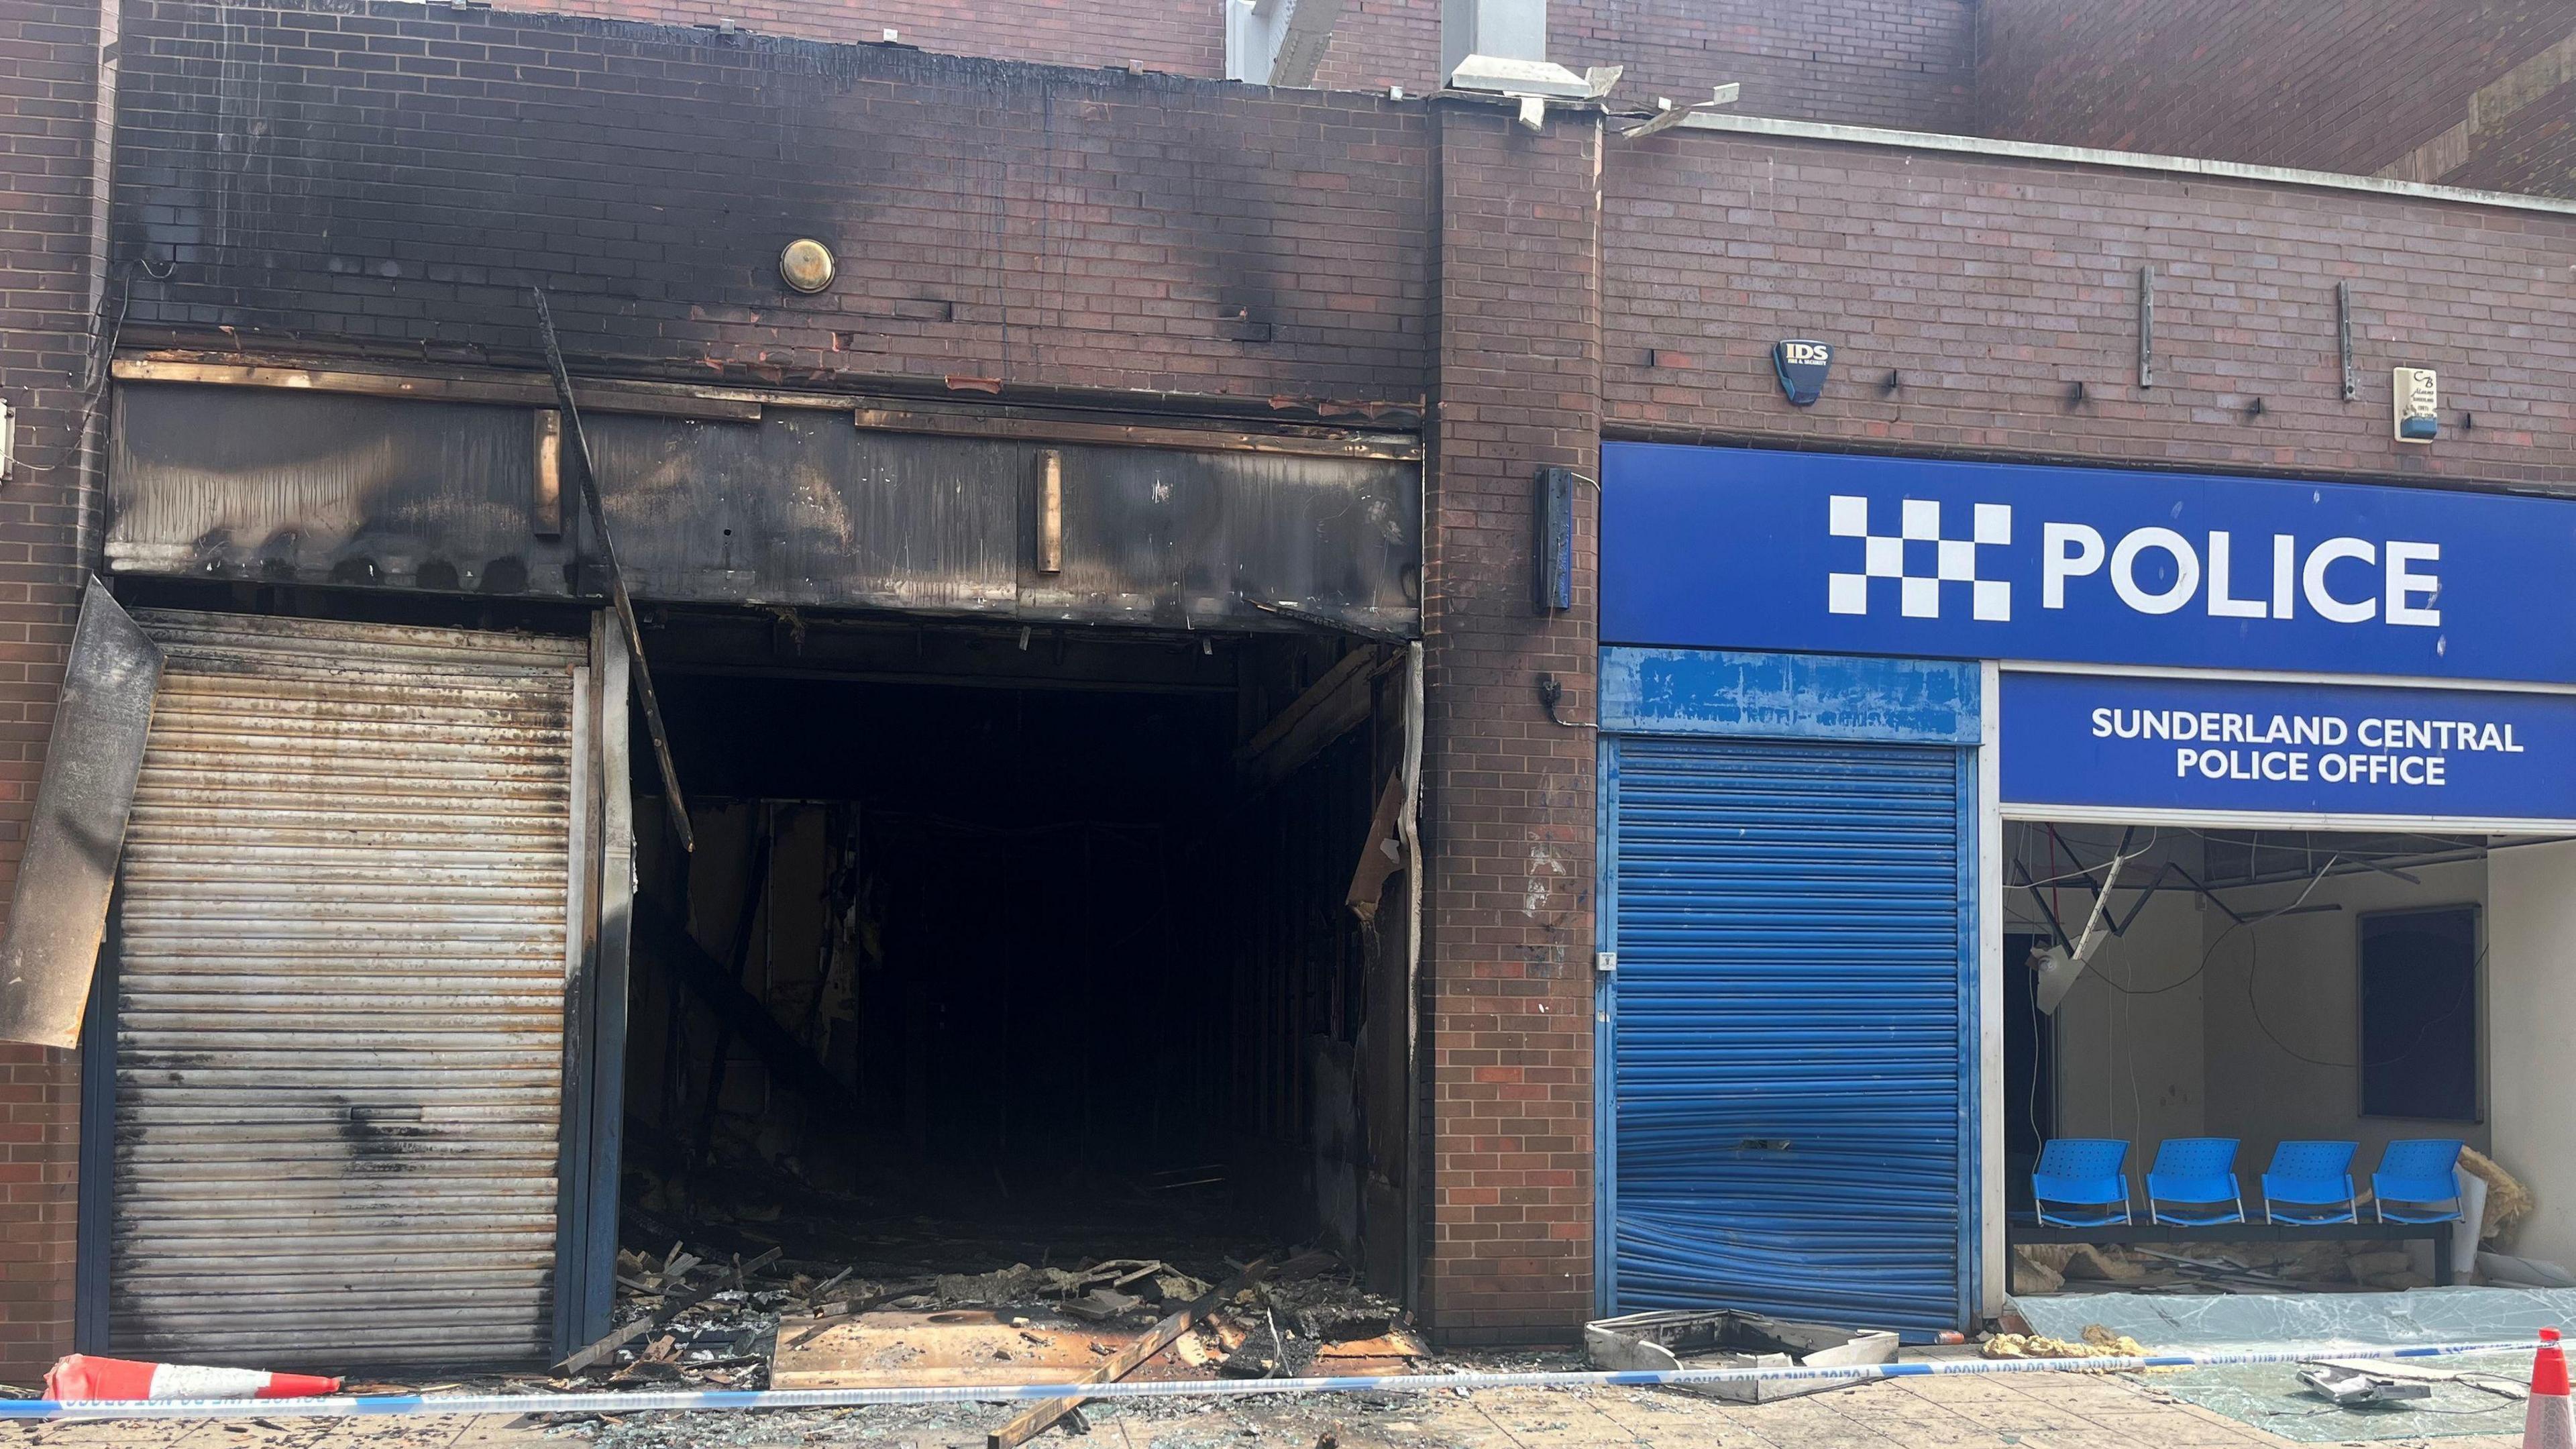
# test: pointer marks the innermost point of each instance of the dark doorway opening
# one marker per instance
(1015, 947)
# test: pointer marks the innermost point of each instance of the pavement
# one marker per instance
(2016, 1411)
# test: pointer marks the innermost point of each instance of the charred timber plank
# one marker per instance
(1382, 855)
(741, 1012)
(1330, 708)
(616, 1338)
(514, 389)
(1161, 1336)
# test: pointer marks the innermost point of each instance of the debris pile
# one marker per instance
(2097, 1342)
(2215, 1267)
(1305, 1314)
(683, 1319)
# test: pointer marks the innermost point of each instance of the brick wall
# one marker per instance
(1867, 62)
(51, 268)
(1902, 63)
(337, 173)
(1991, 287)
(2335, 85)
(2532, 150)
(364, 174)
(1508, 794)
(1184, 37)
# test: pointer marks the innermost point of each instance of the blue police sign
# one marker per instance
(1743, 549)
(2322, 749)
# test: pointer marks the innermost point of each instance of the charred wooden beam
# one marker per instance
(1332, 707)
(743, 1014)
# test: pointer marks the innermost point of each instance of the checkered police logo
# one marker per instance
(1953, 560)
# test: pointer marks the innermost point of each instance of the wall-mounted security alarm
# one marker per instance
(2418, 402)
(1802, 364)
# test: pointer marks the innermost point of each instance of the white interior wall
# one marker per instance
(2195, 1060)
(2531, 1071)
(2292, 1073)
(2129, 1064)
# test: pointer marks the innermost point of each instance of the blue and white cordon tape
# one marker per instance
(353, 1406)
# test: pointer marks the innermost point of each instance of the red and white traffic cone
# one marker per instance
(83, 1377)
(2550, 1422)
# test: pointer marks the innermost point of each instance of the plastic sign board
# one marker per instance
(2324, 749)
(1732, 548)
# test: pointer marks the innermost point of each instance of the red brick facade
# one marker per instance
(1903, 63)
(1991, 287)
(1508, 793)
(1865, 62)
(51, 272)
(2333, 85)
(1088, 229)
(1227, 246)
(1180, 37)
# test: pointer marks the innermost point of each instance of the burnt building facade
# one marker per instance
(1128, 641)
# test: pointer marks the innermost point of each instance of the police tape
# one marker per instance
(647, 1401)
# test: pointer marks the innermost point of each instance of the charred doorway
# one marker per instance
(1009, 945)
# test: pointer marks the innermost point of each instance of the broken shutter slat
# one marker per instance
(96, 751)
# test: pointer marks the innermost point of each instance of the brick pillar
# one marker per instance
(56, 95)
(1508, 794)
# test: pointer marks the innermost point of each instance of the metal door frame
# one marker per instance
(1721, 695)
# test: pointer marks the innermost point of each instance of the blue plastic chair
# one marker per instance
(2085, 1173)
(2419, 1172)
(2200, 1172)
(2311, 1177)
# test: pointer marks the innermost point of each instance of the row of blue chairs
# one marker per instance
(2083, 1182)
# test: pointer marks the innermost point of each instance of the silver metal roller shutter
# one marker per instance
(341, 960)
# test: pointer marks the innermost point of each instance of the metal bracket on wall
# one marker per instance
(2343, 333)
(676, 805)
(2146, 327)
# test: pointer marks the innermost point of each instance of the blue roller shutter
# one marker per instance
(1788, 1036)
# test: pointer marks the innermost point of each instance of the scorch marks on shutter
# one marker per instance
(341, 997)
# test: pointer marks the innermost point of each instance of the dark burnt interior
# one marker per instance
(1073, 978)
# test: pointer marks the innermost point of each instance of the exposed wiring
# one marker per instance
(2238, 924)
(94, 385)
(1551, 693)
(2254, 1004)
